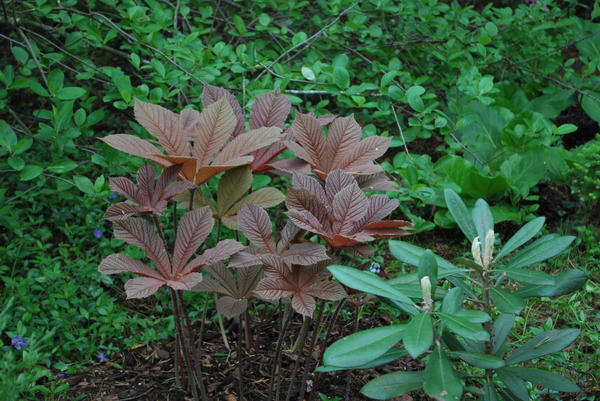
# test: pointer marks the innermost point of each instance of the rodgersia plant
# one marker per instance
(464, 328)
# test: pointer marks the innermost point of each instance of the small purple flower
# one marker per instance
(309, 386)
(20, 342)
(112, 196)
(102, 358)
(63, 373)
(375, 267)
(98, 233)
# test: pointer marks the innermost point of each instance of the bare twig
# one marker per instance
(175, 14)
(309, 39)
(401, 133)
(35, 59)
(291, 80)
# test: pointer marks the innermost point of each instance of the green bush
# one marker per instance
(586, 173)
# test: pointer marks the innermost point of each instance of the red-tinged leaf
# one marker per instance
(327, 290)
(247, 279)
(242, 259)
(212, 94)
(176, 189)
(124, 187)
(305, 220)
(188, 165)
(349, 205)
(264, 155)
(342, 136)
(193, 229)
(274, 266)
(387, 224)
(326, 119)
(209, 285)
(365, 152)
(256, 226)
(222, 250)
(305, 253)
(291, 166)
(361, 251)
(214, 126)
(207, 172)
(270, 110)
(304, 304)
(119, 263)
(336, 181)
(303, 200)
(189, 281)
(376, 182)
(232, 186)
(145, 178)
(339, 241)
(379, 207)
(137, 231)
(200, 200)
(223, 275)
(168, 175)
(309, 134)
(120, 211)
(289, 231)
(264, 197)
(135, 146)
(162, 124)
(247, 143)
(230, 307)
(299, 152)
(142, 287)
(311, 185)
(272, 289)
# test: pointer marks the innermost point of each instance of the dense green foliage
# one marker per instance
(479, 99)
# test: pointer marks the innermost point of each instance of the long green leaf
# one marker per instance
(440, 380)
(543, 344)
(460, 213)
(529, 276)
(502, 326)
(545, 379)
(418, 336)
(362, 347)
(452, 301)
(566, 283)
(483, 361)
(506, 301)
(473, 316)
(542, 249)
(411, 254)
(514, 384)
(393, 385)
(428, 267)
(464, 328)
(372, 284)
(489, 392)
(525, 233)
(390, 355)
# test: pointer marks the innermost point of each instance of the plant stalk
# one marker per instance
(313, 342)
(275, 376)
(299, 353)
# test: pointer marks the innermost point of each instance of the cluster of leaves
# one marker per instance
(451, 334)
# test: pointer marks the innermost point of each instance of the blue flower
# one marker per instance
(309, 386)
(375, 267)
(98, 233)
(20, 342)
(63, 373)
(112, 196)
(102, 358)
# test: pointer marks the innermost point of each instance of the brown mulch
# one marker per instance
(145, 373)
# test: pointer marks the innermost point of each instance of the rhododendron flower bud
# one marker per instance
(476, 251)
(426, 289)
(488, 248)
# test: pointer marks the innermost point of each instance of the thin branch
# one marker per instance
(310, 39)
(175, 14)
(401, 133)
(35, 59)
(291, 80)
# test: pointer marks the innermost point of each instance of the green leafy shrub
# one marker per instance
(586, 172)
(465, 328)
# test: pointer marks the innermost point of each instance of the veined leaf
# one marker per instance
(370, 283)
(390, 355)
(362, 347)
(232, 186)
(502, 326)
(513, 383)
(440, 380)
(545, 379)
(528, 276)
(460, 213)
(192, 231)
(542, 249)
(483, 220)
(566, 283)
(544, 343)
(483, 361)
(524, 234)
(506, 301)
(256, 226)
(393, 385)
(418, 336)
(464, 328)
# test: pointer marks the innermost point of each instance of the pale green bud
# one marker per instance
(426, 289)
(488, 248)
(476, 251)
